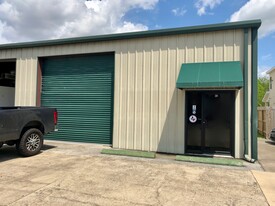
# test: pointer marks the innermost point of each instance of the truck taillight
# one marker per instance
(55, 117)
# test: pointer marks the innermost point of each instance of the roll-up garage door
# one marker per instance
(81, 88)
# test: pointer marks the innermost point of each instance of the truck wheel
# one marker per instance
(1, 144)
(30, 143)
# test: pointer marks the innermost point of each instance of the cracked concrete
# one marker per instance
(76, 174)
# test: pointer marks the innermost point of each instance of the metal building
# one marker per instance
(182, 90)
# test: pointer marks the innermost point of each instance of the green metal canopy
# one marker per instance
(210, 75)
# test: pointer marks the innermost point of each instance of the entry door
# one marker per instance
(210, 121)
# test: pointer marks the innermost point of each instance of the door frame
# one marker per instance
(233, 126)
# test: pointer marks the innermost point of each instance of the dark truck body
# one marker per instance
(15, 121)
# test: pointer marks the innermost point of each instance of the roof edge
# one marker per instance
(141, 34)
(270, 70)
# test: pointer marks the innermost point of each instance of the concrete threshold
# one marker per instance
(210, 155)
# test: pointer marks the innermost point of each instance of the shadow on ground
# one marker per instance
(47, 147)
(270, 142)
(10, 152)
(7, 153)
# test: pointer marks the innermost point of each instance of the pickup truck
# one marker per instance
(272, 135)
(25, 127)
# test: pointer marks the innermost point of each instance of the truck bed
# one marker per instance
(25, 127)
(10, 108)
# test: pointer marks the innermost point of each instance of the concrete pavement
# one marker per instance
(266, 151)
(266, 179)
(76, 174)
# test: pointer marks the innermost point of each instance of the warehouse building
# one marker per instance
(182, 90)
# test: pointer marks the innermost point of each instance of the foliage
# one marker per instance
(263, 87)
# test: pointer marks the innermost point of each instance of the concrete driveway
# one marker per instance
(266, 180)
(76, 174)
(266, 152)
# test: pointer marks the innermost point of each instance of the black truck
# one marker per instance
(25, 127)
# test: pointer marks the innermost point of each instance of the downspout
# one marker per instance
(254, 113)
(245, 106)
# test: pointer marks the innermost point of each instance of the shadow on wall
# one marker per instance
(172, 124)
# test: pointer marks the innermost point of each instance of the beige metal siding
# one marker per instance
(162, 105)
(148, 109)
(26, 82)
(239, 142)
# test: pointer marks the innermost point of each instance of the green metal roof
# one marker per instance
(209, 75)
(163, 32)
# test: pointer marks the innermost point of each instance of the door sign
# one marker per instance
(192, 118)
(194, 109)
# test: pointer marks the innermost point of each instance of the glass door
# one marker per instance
(210, 121)
(194, 121)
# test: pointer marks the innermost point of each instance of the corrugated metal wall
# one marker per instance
(148, 109)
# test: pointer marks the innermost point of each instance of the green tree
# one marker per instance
(263, 87)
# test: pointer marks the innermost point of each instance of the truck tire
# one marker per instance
(1, 144)
(30, 142)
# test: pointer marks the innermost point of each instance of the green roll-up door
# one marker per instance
(81, 88)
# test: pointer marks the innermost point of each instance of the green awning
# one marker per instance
(210, 75)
